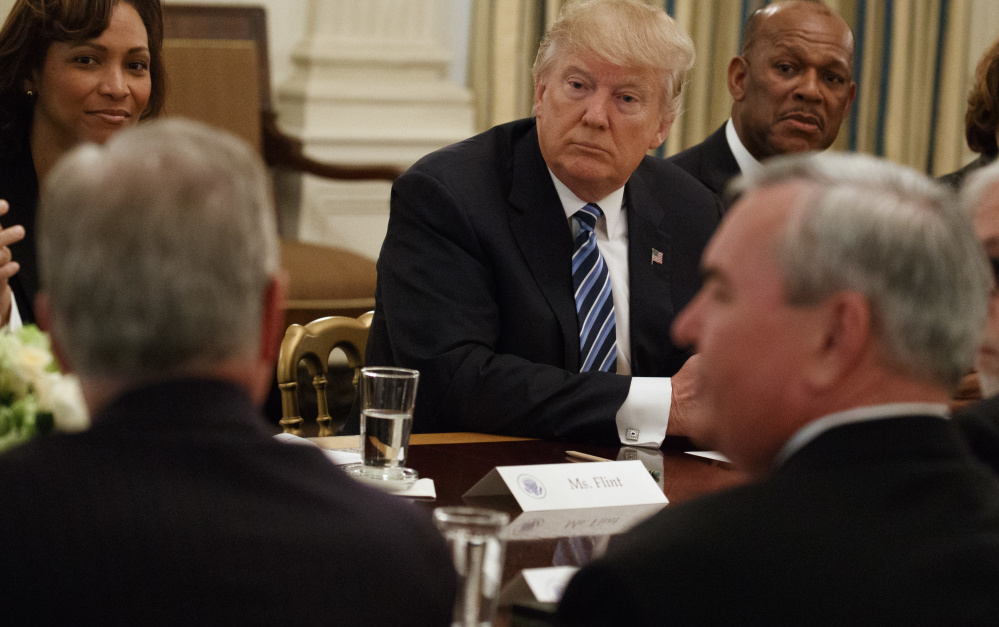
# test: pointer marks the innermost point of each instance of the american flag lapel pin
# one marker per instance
(657, 256)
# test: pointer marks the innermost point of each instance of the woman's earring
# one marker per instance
(30, 93)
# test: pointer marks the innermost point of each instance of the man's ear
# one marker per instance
(738, 68)
(272, 322)
(43, 316)
(539, 94)
(843, 338)
(849, 103)
(664, 125)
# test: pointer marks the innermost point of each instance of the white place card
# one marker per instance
(545, 585)
(569, 523)
(572, 486)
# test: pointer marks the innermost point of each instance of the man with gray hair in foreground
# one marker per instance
(159, 265)
(843, 300)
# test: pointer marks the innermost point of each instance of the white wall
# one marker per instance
(458, 26)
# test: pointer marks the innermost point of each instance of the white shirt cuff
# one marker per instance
(642, 419)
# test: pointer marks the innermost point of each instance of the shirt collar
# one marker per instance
(611, 205)
(858, 414)
(747, 162)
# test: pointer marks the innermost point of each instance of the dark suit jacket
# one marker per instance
(19, 187)
(711, 162)
(980, 425)
(475, 288)
(890, 522)
(178, 508)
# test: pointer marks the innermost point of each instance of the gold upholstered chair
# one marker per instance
(313, 344)
(217, 73)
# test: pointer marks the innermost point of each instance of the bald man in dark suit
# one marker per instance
(791, 88)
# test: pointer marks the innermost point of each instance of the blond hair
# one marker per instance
(625, 33)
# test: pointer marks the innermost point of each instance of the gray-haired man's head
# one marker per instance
(156, 251)
(836, 281)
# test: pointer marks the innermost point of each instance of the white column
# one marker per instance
(369, 86)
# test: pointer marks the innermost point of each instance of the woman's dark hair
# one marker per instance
(982, 118)
(33, 25)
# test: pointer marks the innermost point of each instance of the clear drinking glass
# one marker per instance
(388, 396)
(477, 549)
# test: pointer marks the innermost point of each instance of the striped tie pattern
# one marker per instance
(594, 300)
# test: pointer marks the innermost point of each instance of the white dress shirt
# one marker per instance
(747, 162)
(641, 420)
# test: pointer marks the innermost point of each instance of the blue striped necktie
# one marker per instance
(594, 299)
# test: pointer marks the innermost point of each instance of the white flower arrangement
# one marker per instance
(35, 398)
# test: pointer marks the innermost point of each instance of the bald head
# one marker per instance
(792, 86)
(762, 19)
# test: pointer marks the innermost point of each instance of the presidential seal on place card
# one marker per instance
(532, 486)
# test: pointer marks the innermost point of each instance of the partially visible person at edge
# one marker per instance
(981, 121)
(791, 86)
(71, 71)
(981, 130)
(177, 506)
(980, 421)
(530, 273)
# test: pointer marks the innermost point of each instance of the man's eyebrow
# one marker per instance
(575, 69)
(802, 52)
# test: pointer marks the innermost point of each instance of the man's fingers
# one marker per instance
(8, 270)
(11, 235)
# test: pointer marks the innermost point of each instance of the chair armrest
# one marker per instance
(281, 150)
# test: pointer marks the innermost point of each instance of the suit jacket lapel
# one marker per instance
(540, 228)
(719, 165)
(650, 295)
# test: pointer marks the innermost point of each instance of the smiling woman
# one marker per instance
(71, 71)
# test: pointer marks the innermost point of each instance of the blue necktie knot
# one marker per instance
(587, 217)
